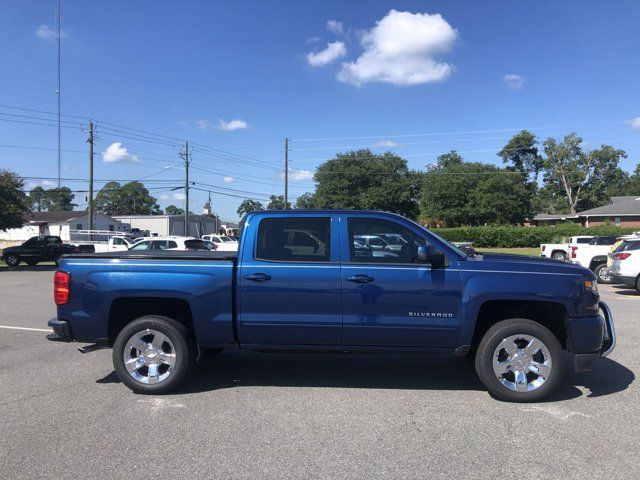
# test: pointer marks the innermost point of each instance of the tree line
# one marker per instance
(553, 176)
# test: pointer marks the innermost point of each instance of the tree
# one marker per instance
(14, 203)
(248, 206)
(521, 152)
(134, 199)
(173, 210)
(59, 199)
(305, 201)
(276, 202)
(364, 180)
(633, 186)
(38, 199)
(459, 193)
(129, 199)
(106, 200)
(579, 176)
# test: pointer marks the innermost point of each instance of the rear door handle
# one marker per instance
(360, 278)
(258, 277)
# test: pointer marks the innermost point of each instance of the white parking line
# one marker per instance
(28, 329)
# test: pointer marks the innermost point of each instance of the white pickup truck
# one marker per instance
(560, 251)
(115, 243)
(593, 256)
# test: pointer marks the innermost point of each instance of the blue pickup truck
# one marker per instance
(346, 281)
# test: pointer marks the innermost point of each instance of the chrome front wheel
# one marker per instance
(520, 360)
(522, 363)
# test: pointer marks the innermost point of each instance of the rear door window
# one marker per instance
(300, 239)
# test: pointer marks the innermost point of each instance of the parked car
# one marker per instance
(593, 256)
(560, 251)
(223, 243)
(158, 310)
(172, 243)
(45, 248)
(626, 264)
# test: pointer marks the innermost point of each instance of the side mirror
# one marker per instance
(431, 255)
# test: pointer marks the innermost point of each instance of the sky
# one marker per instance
(235, 78)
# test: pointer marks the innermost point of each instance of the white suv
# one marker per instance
(222, 242)
(172, 243)
(626, 264)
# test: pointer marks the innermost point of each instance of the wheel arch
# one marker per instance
(124, 310)
(552, 315)
(597, 260)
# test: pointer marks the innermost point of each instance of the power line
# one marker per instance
(468, 132)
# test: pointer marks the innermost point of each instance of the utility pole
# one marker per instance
(90, 140)
(286, 172)
(58, 89)
(185, 156)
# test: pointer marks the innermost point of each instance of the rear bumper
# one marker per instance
(629, 281)
(584, 361)
(61, 331)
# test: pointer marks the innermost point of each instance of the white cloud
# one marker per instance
(401, 49)
(179, 196)
(203, 124)
(385, 143)
(336, 27)
(164, 196)
(333, 51)
(116, 153)
(48, 183)
(514, 81)
(635, 123)
(301, 174)
(43, 31)
(228, 179)
(235, 124)
(314, 39)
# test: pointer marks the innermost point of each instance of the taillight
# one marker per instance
(622, 255)
(542, 248)
(215, 246)
(61, 288)
(573, 252)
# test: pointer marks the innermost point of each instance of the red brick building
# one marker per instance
(621, 211)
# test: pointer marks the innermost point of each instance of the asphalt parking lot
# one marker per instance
(250, 415)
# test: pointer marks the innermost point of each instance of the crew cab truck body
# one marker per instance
(593, 256)
(46, 248)
(561, 251)
(160, 310)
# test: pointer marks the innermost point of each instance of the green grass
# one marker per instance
(529, 251)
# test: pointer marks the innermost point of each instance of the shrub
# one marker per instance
(517, 237)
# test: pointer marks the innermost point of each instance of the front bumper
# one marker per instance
(61, 331)
(583, 362)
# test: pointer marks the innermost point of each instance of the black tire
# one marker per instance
(638, 283)
(514, 327)
(12, 260)
(559, 256)
(182, 344)
(31, 263)
(602, 273)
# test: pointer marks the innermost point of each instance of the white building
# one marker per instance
(61, 224)
(171, 224)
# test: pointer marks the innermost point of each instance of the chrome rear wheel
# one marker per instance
(149, 356)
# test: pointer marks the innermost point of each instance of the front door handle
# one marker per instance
(360, 278)
(258, 277)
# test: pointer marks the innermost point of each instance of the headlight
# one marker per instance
(592, 297)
